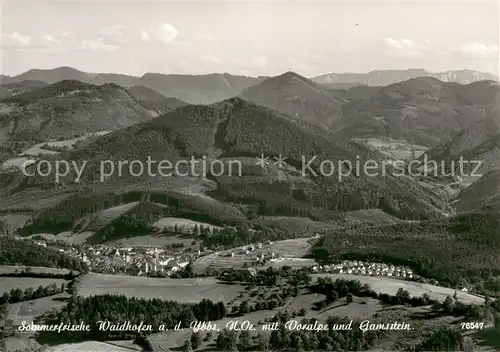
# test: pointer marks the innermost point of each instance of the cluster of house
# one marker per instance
(137, 261)
(254, 252)
(367, 268)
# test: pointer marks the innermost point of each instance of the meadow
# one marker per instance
(180, 290)
(9, 283)
(391, 287)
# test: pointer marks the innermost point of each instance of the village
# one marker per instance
(167, 262)
(134, 261)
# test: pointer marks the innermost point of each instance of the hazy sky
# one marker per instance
(249, 37)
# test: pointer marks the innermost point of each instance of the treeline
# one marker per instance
(319, 201)
(444, 339)
(27, 253)
(135, 222)
(340, 288)
(65, 215)
(456, 251)
(62, 87)
(268, 277)
(17, 295)
(119, 309)
(27, 273)
(230, 237)
(302, 340)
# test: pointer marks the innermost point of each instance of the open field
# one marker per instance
(87, 346)
(181, 290)
(67, 236)
(183, 225)
(294, 248)
(10, 269)
(105, 217)
(370, 217)
(20, 343)
(8, 283)
(294, 263)
(32, 152)
(15, 162)
(305, 226)
(69, 143)
(14, 221)
(359, 309)
(394, 149)
(391, 286)
(154, 240)
(28, 311)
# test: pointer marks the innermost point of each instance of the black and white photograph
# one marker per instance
(245, 176)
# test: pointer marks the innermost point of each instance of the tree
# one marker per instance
(243, 309)
(5, 298)
(348, 298)
(497, 322)
(299, 345)
(262, 344)
(444, 339)
(244, 340)
(321, 255)
(468, 345)
(227, 341)
(4, 307)
(448, 305)
(195, 340)
(402, 296)
(187, 346)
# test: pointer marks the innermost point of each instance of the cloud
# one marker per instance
(145, 36)
(214, 59)
(16, 40)
(113, 30)
(164, 33)
(98, 44)
(113, 34)
(403, 47)
(477, 50)
(204, 37)
(45, 43)
(51, 40)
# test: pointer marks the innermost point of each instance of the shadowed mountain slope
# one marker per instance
(423, 111)
(297, 97)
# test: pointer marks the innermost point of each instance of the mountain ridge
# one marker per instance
(379, 78)
(386, 77)
(296, 96)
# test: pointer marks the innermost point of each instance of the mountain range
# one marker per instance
(424, 110)
(288, 115)
(68, 108)
(194, 89)
(210, 88)
(386, 77)
(296, 96)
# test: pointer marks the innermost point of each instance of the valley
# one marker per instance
(272, 244)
